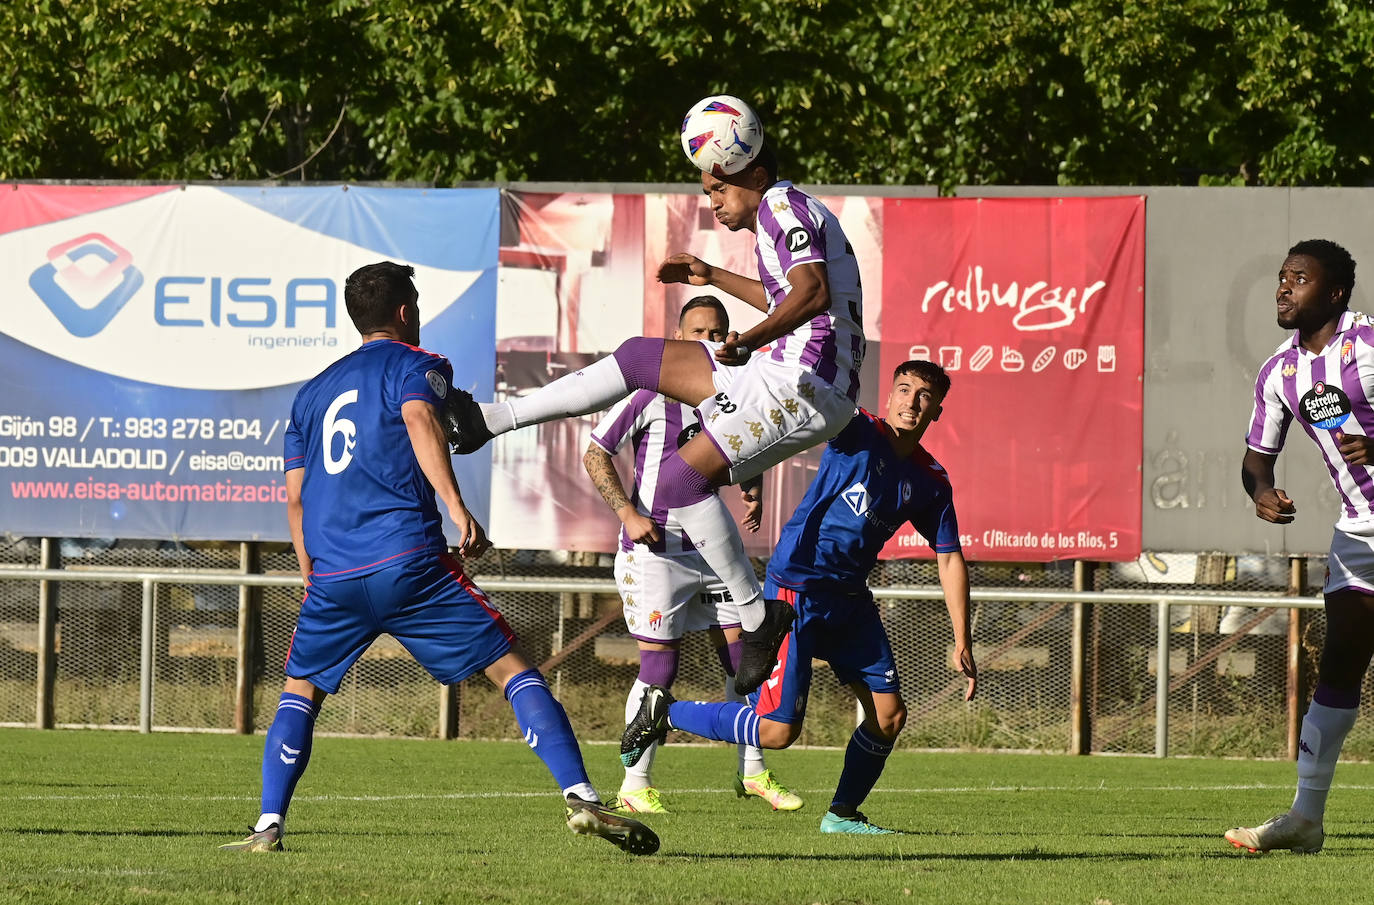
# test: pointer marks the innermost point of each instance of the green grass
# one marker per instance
(117, 817)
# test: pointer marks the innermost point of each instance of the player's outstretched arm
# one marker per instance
(601, 469)
(1257, 477)
(295, 519)
(954, 582)
(431, 452)
(689, 269)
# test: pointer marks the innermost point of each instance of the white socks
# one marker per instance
(637, 777)
(711, 527)
(591, 389)
(267, 820)
(1323, 733)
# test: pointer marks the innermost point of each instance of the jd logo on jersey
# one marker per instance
(798, 240)
(1324, 406)
(85, 283)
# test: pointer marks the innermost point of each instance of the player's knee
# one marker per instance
(891, 726)
(774, 734)
(890, 721)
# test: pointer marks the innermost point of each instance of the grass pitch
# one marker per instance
(117, 817)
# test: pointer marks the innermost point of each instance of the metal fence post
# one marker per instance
(145, 661)
(1080, 721)
(249, 637)
(449, 698)
(1162, 683)
(45, 711)
(1295, 692)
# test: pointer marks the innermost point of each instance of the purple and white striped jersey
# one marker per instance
(656, 427)
(1329, 395)
(794, 228)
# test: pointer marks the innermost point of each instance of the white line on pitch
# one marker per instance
(459, 796)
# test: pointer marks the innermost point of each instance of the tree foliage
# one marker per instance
(949, 92)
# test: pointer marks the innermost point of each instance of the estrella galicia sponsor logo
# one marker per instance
(1324, 406)
(86, 282)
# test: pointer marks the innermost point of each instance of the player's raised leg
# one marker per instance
(1345, 658)
(677, 368)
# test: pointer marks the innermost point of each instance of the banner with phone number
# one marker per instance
(1035, 307)
(152, 339)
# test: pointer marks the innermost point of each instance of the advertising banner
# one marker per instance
(578, 277)
(1035, 306)
(152, 339)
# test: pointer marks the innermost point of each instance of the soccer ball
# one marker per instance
(721, 135)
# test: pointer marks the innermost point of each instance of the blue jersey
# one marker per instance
(860, 497)
(367, 504)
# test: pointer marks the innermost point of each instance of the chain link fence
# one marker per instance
(1230, 691)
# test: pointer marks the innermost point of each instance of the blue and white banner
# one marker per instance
(152, 339)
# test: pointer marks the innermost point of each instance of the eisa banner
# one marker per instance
(152, 340)
(1035, 307)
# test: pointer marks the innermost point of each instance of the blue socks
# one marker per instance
(286, 753)
(547, 731)
(864, 760)
(724, 722)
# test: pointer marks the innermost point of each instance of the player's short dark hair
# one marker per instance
(373, 293)
(1336, 262)
(767, 159)
(705, 301)
(929, 371)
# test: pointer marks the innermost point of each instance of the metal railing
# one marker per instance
(1053, 603)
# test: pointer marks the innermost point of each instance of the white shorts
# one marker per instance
(667, 596)
(765, 412)
(1351, 563)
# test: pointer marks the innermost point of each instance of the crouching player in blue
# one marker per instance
(873, 478)
(366, 456)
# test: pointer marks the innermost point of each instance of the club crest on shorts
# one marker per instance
(1325, 406)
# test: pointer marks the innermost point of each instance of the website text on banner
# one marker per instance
(1036, 308)
(152, 339)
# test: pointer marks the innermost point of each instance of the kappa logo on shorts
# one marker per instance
(86, 282)
(857, 498)
(798, 240)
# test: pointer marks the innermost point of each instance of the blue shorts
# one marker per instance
(841, 627)
(426, 603)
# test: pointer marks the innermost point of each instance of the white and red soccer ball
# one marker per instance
(721, 135)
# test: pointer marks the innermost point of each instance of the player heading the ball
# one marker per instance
(757, 409)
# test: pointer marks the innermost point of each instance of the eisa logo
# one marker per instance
(86, 282)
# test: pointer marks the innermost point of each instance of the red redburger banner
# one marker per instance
(1035, 307)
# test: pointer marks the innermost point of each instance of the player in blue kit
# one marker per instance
(366, 461)
(873, 478)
